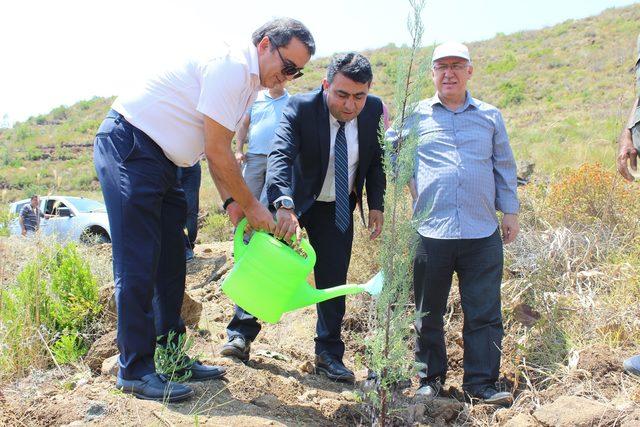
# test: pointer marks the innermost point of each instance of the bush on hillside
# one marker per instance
(53, 302)
(592, 194)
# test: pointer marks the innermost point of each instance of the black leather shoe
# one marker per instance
(238, 347)
(154, 387)
(333, 368)
(491, 396)
(200, 372)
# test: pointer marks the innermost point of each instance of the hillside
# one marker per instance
(570, 291)
(564, 92)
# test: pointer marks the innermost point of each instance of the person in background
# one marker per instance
(628, 156)
(30, 216)
(258, 128)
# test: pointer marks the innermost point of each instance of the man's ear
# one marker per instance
(325, 84)
(263, 45)
(470, 70)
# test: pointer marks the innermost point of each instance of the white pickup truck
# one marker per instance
(72, 218)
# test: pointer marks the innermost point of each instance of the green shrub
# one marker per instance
(59, 113)
(74, 289)
(216, 227)
(23, 131)
(504, 65)
(69, 348)
(53, 300)
(512, 93)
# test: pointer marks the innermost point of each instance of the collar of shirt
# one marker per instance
(468, 102)
(334, 122)
(267, 95)
(251, 54)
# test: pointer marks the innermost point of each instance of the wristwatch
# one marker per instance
(227, 203)
(285, 203)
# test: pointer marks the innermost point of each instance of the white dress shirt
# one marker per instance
(328, 192)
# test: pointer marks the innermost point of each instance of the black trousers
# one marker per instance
(478, 264)
(147, 211)
(333, 254)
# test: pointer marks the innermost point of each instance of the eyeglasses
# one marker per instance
(288, 67)
(458, 66)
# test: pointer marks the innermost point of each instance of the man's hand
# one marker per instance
(240, 157)
(259, 217)
(376, 219)
(510, 228)
(235, 213)
(287, 225)
(627, 153)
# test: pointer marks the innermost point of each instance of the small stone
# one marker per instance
(348, 395)
(191, 311)
(521, 420)
(447, 409)
(95, 411)
(415, 412)
(103, 348)
(268, 401)
(307, 367)
(110, 366)
(207, 250)
(526, 315)
(308, 395)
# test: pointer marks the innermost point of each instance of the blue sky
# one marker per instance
(59, 52)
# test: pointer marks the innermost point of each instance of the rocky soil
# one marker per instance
(278, 386)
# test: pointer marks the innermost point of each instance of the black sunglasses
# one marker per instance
(288, 67)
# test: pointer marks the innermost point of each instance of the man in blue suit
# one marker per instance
(325, 151)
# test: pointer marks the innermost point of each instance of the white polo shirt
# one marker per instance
(170, 107)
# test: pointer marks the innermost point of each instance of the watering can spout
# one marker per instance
(308, 295)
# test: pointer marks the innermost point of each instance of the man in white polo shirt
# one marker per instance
(171, 121)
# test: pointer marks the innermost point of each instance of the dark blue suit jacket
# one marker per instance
(297, 164)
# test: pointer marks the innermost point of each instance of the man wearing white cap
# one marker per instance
(464, 172)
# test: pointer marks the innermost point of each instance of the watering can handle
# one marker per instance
(238, 239)
(239, 247)
(311, 253)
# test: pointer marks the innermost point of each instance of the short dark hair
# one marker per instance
(33, 196)
(281, 30)
(351, 65)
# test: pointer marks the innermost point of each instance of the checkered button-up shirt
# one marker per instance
(464, 171)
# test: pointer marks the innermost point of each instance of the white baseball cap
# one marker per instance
(451, 48)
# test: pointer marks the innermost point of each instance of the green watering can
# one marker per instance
(269, 278)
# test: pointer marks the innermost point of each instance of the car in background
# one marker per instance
(72, 218)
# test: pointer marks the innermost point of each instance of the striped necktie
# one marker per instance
(342, 180)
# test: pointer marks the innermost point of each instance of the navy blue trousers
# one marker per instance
(333, 254)
(478, 264)
(147, 213)
(190, 178)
